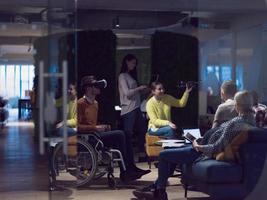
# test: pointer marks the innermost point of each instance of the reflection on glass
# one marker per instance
(15, 80)
(3, 80)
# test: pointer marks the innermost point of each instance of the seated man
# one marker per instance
(225, 110)
(216, 143)
(87, 121)
(260, 111)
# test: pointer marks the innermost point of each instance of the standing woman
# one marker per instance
(159, 110)
(130, 100)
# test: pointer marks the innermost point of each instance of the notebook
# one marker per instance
(191, 134)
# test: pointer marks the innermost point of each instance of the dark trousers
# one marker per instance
(134, 121)
(116, 139)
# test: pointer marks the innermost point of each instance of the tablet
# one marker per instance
(191, 134)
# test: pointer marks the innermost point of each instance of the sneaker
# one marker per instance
(148, 193)
(150, 188)
(143, 194)
(160, 194)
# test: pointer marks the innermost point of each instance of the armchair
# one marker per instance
(230, 180)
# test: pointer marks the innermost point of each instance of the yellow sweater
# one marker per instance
(72, 111)
(159, 112)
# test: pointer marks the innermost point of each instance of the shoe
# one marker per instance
(160, 194)
(141, 171)
(128, 176)
(151, 192)
(73, 172)
(150, 188)
(143, 194)
(190, 187)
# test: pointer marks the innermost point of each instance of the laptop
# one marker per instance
(191, 134)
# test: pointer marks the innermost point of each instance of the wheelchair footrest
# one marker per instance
(119, 157)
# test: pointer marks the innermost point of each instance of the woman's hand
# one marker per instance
(59, 125)
(172, 125)
(142, 87)
(103, 128)
(189, 87)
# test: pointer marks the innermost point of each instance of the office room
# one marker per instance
(96, 96)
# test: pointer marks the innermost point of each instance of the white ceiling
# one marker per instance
(100, 14)
(148, 5)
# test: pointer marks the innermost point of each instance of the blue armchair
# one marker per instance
(229, 180)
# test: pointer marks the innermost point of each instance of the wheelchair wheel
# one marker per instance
(103, 165)
(99, 175)
(74, 171)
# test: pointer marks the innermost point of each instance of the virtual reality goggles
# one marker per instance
(88, 81)
(101, 84)
(182, 84)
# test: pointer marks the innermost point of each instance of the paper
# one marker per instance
(172, 141)
(172, 144)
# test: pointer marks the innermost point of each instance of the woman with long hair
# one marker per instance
(130, 101)
(159, 110)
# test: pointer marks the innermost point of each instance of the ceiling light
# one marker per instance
(117, 22)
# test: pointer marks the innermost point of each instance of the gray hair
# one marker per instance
(244, 100)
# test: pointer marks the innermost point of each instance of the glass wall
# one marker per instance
(238, 56)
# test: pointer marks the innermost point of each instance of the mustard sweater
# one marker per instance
(159, 112)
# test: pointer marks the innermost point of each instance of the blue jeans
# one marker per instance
(169, 158)
(134, 121)
(165, 131)
(70, 131)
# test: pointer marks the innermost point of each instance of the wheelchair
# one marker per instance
(86, 161)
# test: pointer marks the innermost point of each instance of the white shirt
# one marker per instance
(129, 94)
(225, 111)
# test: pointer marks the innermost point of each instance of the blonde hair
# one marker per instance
(229, 88)
(244, 100)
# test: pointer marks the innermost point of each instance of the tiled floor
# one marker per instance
(24, 173)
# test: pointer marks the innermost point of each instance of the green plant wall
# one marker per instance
(93, 53)
(174, 58)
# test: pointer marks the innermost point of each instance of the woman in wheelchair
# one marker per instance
(87, 107)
